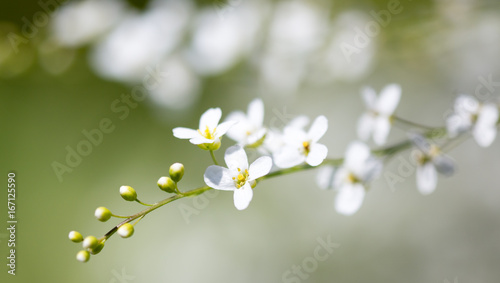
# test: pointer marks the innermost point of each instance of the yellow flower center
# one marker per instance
(352, 178)
(306, 146)
(207, 133)
(241, 178)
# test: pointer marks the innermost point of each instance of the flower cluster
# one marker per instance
(297, 147)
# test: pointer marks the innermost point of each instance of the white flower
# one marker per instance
(250, 130)
(209, 133)
(325, 177)
(430, 161)
(359, 168)
(238, 177)
(300, 146)
(376, 120)
(275, 141)
(470, 114)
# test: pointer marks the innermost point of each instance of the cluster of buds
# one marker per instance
(92, 245)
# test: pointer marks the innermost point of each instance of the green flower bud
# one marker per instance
(97, 249)
(128, 193)
(176, 171)
(126, 230)
(90, 242)
(75, 236)
(210, 146)
(102, 214)
(83, 256)
(167, 184)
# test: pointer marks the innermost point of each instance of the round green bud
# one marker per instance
(167, 184)
(128, 193)
(90, 242)
(83, 256)
(102, 214)
(176, 171)
(126, 230)
(97, 249)
(75, 236)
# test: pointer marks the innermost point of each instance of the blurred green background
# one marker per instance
(434, 49)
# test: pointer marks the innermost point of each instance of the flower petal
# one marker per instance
(456, 124)
(466, 104)
(444, 165)
(484, 135)
(200, 139)
(235, 158)
(488, 117)
(184, 133)
(317, 154)
(219, 178)
(318, 128)
(223, 128)
(420, 142)
(426, 178)
(350, 198)
(256, 112)
(381, 130)
(293, 135)
(325, 177)
(356, 156)
(210, 118)
(237, 133)
(369, 97)
(389, 99)
(288, 156)
(365, 126)
(299, 122)
(260, 167)
(372, 169)
(243, 196)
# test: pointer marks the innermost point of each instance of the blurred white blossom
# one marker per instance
(249, 130)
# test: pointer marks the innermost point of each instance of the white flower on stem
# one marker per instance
(430, 161)
(238, 176)
(470, 114)
(208, 136)
(249, 130)
(376, 120)
(359, 168)
(275, 141)
(301, 146)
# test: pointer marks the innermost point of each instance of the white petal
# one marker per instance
(488, 117)
(381, 130)
(243, 196)
(299, 122)
(426, 178)
(318, 128)
(200, 139)
(210, 118)
(219, 178)
(356, 155)
(257, 136)
(340, 176)
(444, 165)
(420, 142)
(466, 104)
(365, 126)
(235, 158)
(185, 133)
(317, 154)
(223, 128)
(456, 124)
(325, 177)
(389, 99)
(371, 170)
(293, 135)
(369, 97)
(349, 198)
(256, 112)
(237, 133)
(260, 167)
(484, 136)
(288, 156)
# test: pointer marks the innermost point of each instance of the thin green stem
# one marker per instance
(213, 157)
(145, 204)
(410, 123)
(119, 216)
